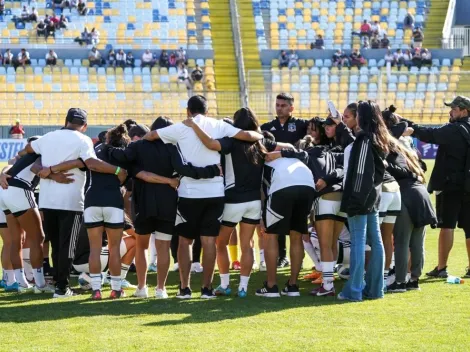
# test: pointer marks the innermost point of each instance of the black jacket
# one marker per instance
(323, 164)
(362, 188)
(413, 193)
(448, 173)
(293, 130)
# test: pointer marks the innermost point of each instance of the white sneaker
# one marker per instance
(45, 289)
(127, 284)
(160, 294)
(196, 268)
(408, 277)
(262, 266)
(141, 292)
(390, 279)
(176, 267)
(255, 266)
(29, 288)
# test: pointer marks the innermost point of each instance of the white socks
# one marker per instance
(152, 250)
(95, 281)
(28, 269)
(310, 250)
(124, 270)
(328, 268)
(20, 278)
(9, 277)
(261, 255)
(38, 275)
(224, 280)
(116, 283)
(243, 283)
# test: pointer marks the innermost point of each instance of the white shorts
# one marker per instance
(16, 201)
(249, 213)
(324, 209)
(104, 216)
(162, 236)
(104, 257)
(390, 207)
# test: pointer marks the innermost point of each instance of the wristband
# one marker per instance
(118, 169)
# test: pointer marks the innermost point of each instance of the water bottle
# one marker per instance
(454, 280)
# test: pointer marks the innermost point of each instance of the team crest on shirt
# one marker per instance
(291, 127)
(273, 128)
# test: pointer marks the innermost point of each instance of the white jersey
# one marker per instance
(286, 172)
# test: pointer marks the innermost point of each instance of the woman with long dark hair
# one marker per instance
(316, 130)
(243, 168)
(364, 170)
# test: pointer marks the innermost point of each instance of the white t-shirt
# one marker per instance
(20, 55)
(289, 172)
(193, 151)
(147, 57)
(56, 147)
(51, 56)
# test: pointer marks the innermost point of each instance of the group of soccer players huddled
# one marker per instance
(348, 190)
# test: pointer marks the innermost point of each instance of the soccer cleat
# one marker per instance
(196, 267)
(96, 295)
(413, 285)
(467, 274)
(184, 293)
(152, 268)
(255, 266)
(290, 290)
(396, 287)
(160, 294)
(262, 266)
(236, 265)
(127, 284)
(313, 275)
(45, 289)
(115, 294)
(3, 284)
(207, 293)
(220, 291)
(64, 293)
(269, 292)
(438, 273)
(16, 287)
(242, 293)
(283, 262)
(176, 267)
(141, 292)
(323, 292)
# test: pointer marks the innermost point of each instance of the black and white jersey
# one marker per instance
(242, 176)
(285, 172)
(21, 174)
(290, 132)
(104, 189)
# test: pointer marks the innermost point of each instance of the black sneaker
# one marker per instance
(413, 285)
(442, 273)
(270, 292)
(290, 290)
(184, 293)
(467, 275)
(396, 287)
(207, 293)
(64, 293)
(283, 262)
(132, 268)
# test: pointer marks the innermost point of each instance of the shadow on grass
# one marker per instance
(23, 308)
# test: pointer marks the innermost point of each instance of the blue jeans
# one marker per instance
(364, 227)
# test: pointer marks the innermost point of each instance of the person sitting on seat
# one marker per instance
(283, 59)
(51, 58)
(81, 8)
(197, 74)
(121, 58)
(41, 29)
(130, 60)
(94, 56)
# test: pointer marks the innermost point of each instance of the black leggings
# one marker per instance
(196, 249)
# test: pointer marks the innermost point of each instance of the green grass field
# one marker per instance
(436, 318)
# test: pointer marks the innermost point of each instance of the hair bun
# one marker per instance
(392, 108)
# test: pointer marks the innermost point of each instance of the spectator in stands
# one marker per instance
(366, 29)
(385, 42)
(81, 8)
(319, 43)
(2, 7)
(389, 58)
(33, 16)
(399, 58)
(65, 3)
(8, 57)
(130, 61)
(17, 131)
(41, 28)
(172, 60)
(57, 3)
(365, 43)
(51, 58)
(121, 58)
(55, 20)
(357, 59)
(181, 56)
(47, 19)
(23, 58)
(426, 57)
(293, 59)
(197, 74)
(340, 59)
(25, 14)
(417, 59)
(50, 29)
(112, 58)
(94, 56)
(147, 59)
(418, 37)
(409, 21)
(84, 37)
(164, 59)
(283, 59)
(95, 36)
(375, 42)
(62, 22)
(407, 59)
(375, 28)
(183, 75)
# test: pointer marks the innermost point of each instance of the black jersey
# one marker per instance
(21, 174)
(104, 190)
(242, 176)
(291, 132)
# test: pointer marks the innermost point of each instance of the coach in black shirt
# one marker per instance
(286, 129)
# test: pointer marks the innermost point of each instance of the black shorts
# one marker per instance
(151, 224)
(453, 208)
(199, 217)
(288, 210)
